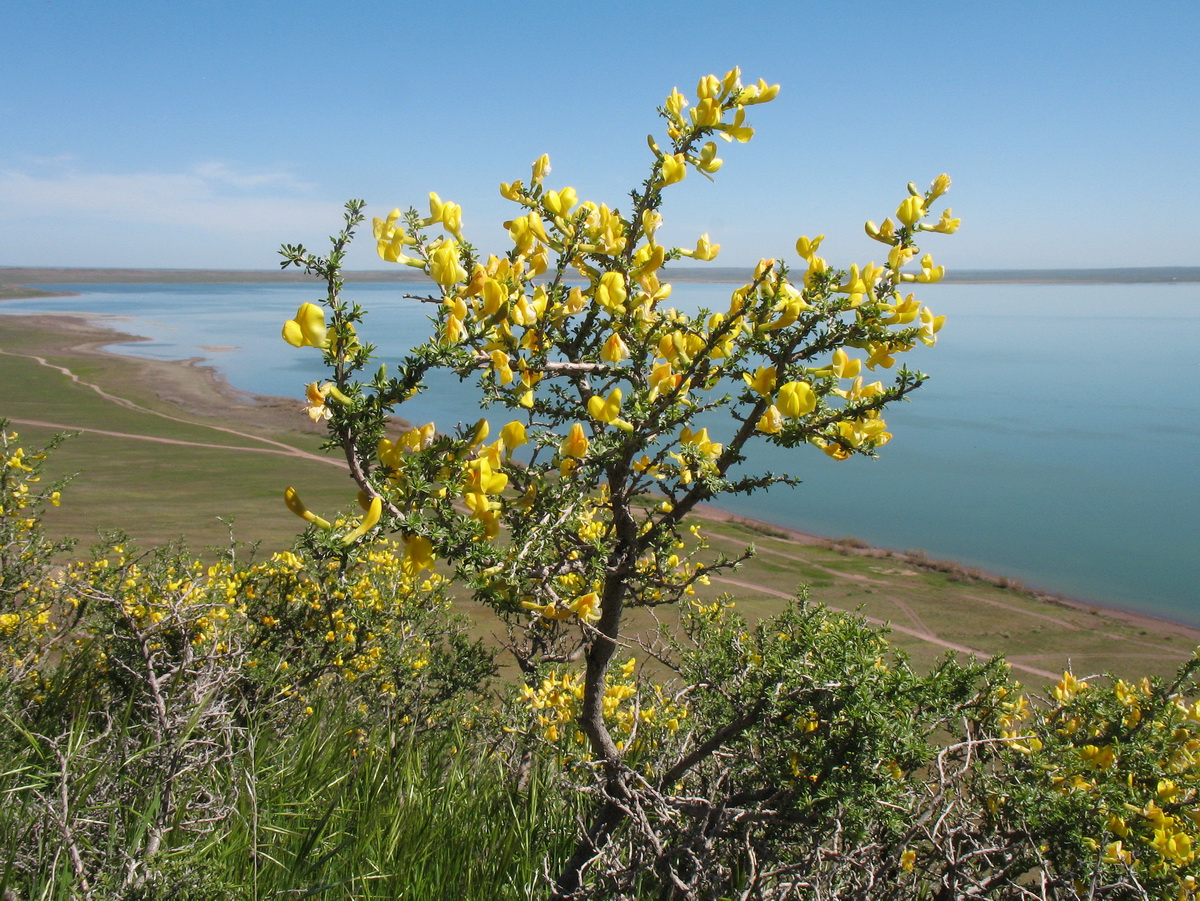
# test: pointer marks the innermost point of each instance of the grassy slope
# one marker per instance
(157, 492)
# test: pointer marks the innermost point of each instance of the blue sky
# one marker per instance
(204, 134)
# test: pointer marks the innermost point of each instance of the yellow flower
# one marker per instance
(930, 326)
(940, 186)
(292, 499)
(807, 248)
(771, 422)
(448, 214)
(444, 267)
(418, 554)
(611, 293)
(316, 408)
(884, 234)
(575, 444)
(586, 607)
(907, 860)
(708, 161)
(369, 521)
(796, 399)
(910, 211)
(513, 435)
(929, 273)
(307, 329)
(701, 442)
(674, 169)
(945, 225)
(560, 203)
(763, 380)
(607, 410)
(316, 394)
(615, 350)
(758, 93)
(482, 479)
(1068, 686)
(842, 367)
(705, 252)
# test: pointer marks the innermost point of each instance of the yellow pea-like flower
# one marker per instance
(807, 247)
(945, 225)
(541, 168)
(705, 251)
(500, 364)
(615, 350)
(940, 186)
(843, 367)
(418, 555)
(483, 479)
(444, 266)
(548, 611)
(899, 256)
(576, 443)
(663, 378)
(771, 422)
(307, 329)
(674, 169)
(513, 435)
(608, 410)
(675, 103)
(759, 93)
(708, 162)
(707, 112)
(447, 214)
(700, 441)
(369, 521)
(708, 87)
(910, 211)
(884, 234)
(586, 607)
(763, 380)
(611, 293)
(796, 399)
(292, 499)
(560, 203)
(930, 326)
(880, 355)
(929, 273)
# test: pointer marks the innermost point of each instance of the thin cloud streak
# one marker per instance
(209, 209)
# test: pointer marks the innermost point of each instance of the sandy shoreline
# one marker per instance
(200, 390)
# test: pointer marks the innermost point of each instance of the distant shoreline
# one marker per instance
(18, 281)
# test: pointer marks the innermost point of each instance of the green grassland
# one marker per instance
(135, 480)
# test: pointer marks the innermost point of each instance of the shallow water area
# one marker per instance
(1054, 443)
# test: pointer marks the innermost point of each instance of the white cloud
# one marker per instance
(211, 196)
(53, 204)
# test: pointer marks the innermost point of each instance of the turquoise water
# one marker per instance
(1055, 442)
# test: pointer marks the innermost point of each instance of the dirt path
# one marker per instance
(275, 447)
(923, 636)
(293, 452)
(1073, 626)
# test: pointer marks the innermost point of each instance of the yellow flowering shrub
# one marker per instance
(563, 506)
(27, 627)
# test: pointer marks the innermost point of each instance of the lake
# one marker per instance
(1055, 443)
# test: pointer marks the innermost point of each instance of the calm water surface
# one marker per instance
(1056, 441)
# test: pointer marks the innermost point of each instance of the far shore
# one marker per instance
(200, 389)
(16, 281)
